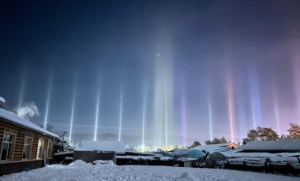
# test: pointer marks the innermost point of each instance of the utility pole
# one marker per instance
(63, 140)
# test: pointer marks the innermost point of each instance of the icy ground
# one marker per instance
(81, 171)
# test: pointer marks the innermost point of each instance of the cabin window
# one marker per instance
(39, 154)
(7, 146)
(27, 147)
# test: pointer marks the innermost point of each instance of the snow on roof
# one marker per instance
(2, 99)
(211, 147)
(118, 147)
(249, 155)
(11, 117)
(272, 157)
(287, 144)
(64, 153)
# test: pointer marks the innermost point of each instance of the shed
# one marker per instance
(90, 151)
(178, 154)
(216, 147)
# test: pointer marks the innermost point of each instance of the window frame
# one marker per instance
(13, 133)
(30, 147)
(48, 148)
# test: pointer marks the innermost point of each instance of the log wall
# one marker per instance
(18, 144)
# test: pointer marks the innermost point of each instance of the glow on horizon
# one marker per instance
(230, 104)
(48, 102)
(120, 118)
(72, 115)
(210, 119)
(97, 117)
(183, 121)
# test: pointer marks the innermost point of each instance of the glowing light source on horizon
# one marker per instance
(48, 102)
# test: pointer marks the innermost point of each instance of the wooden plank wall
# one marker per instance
(20, 137)
(1, 137)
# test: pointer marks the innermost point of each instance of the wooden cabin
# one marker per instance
(23, 144)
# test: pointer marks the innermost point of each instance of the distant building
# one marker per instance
(90, 151)
(216, 147)
(185, 154)
(279, 146)
(22, 143)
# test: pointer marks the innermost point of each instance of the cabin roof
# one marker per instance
(13, 118)
(279, 145)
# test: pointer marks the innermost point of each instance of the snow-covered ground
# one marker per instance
(81, 171)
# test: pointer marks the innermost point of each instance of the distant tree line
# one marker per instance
(211, 142)
(268, 134)
(259, 134)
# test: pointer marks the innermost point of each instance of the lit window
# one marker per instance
(39, 154)
(7, 146)
(27, 147)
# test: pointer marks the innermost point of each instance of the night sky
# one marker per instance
(193, 70)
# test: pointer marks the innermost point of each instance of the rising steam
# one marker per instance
(29, 110)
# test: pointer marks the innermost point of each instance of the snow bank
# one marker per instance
(81, 171)
(2, 99)
(186, 176)
(79, 163)
(104, 162)
(11, 117)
